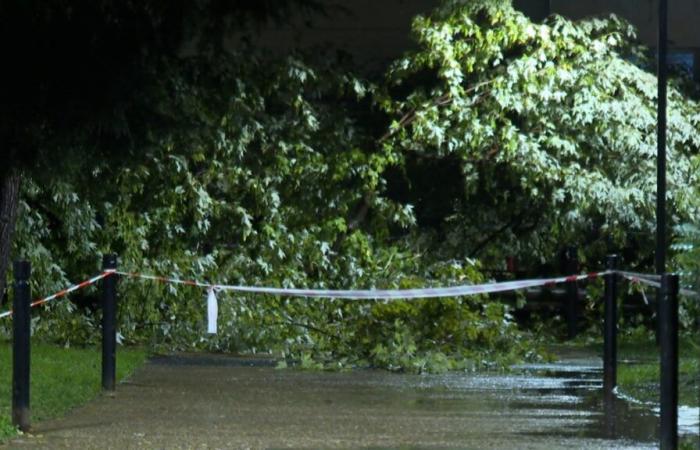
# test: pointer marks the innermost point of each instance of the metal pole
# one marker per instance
(109, 325)
(669, 361)
(610, 329)
(661, 139)
(21, 333)
(571, 268)
(662, 79)
(610, 408)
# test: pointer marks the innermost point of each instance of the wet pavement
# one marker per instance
(214, 401)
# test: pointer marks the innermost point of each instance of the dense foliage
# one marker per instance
(82, 75)
(496, 137)
(552, 127)
(267, 185)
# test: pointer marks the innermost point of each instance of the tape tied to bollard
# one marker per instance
(359, 294)
(652, 281)
(66, 291)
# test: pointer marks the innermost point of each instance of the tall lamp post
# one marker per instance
(667, 300)
(661, 140)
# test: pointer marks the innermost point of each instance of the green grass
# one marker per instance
(638, 370)
(638, 375)
(61, 379)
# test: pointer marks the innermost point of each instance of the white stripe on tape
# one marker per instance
(66, 291)
(647, 276)
(454, 291)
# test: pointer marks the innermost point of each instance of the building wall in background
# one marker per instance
(374, 32)
(537, 10)
(683, 17)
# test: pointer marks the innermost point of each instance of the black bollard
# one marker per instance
(610, 409)
(21, 333)
(610, 328)
(570, 267)
(109, 324)
(668, 337)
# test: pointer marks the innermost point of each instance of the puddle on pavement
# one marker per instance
(208, 401)
(561, 403)
(567, 393)
(689, 421)
(581, 382)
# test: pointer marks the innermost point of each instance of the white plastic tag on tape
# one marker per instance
(212, 312)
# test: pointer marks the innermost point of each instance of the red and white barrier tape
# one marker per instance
(454, 291)
(645, 280)
(66, 291)
(387, 294)
(391, 294)
(645, 276)
(165, 279)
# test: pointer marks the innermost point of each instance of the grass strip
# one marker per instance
(638, 371)
(61, 379)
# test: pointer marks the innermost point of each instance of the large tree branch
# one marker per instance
(361, 213)
(513, 223)
(442, 100)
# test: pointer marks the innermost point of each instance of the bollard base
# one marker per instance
(20, 418)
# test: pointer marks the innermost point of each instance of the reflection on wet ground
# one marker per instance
(688, 421)
(210, 401)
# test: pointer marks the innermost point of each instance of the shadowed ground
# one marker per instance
(212, 401)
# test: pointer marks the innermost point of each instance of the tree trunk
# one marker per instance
(9, 201)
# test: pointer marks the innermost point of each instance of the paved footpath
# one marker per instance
(210, 401)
